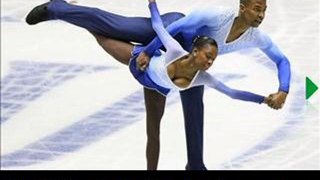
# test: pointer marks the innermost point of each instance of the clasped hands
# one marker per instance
(276, 100)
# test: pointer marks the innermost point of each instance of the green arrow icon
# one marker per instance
(311, 88)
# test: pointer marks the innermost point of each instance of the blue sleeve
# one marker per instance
(194, 20)
(238, 94)
(168, 41)
(282, 63)
(233, 93)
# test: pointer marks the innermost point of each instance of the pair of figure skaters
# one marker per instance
(191, 44)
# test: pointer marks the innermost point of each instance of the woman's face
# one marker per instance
(205, 56)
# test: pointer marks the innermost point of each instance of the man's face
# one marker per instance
(253, 12)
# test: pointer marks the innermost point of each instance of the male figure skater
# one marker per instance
(232, 32)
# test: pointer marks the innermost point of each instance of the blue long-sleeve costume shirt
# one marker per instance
(217, 23)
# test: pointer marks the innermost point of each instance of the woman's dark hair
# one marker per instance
(201, 41)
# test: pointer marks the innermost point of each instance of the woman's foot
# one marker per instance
(38, 14)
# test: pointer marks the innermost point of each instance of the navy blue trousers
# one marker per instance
(139, 30)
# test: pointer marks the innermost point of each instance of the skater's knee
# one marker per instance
(175, 15)
(178, 15)
(170, 17)
(153, 130)
(155, 114)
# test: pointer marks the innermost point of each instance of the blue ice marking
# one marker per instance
(96, 126)
(28, 81)
(9, 19)
(83, 133)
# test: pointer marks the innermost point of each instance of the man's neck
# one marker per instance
(239, 26)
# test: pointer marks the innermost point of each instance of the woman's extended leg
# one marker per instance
(155, 104)
(134, 29)
(119, 50)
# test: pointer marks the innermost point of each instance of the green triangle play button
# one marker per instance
(311, 88)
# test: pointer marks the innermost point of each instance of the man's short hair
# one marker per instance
(244, 2)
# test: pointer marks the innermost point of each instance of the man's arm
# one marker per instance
(194, 20)
(284, 73)
(283, 66)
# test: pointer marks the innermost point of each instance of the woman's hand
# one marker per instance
(143, 61)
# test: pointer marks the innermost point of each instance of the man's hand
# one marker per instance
(266, 100)
(143, 61)
(277, 100)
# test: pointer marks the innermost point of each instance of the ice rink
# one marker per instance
(67, 105)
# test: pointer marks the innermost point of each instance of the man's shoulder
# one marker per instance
(259, 33)
(217, 14)
(261, 38)
(220, 10)
(216, 10)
